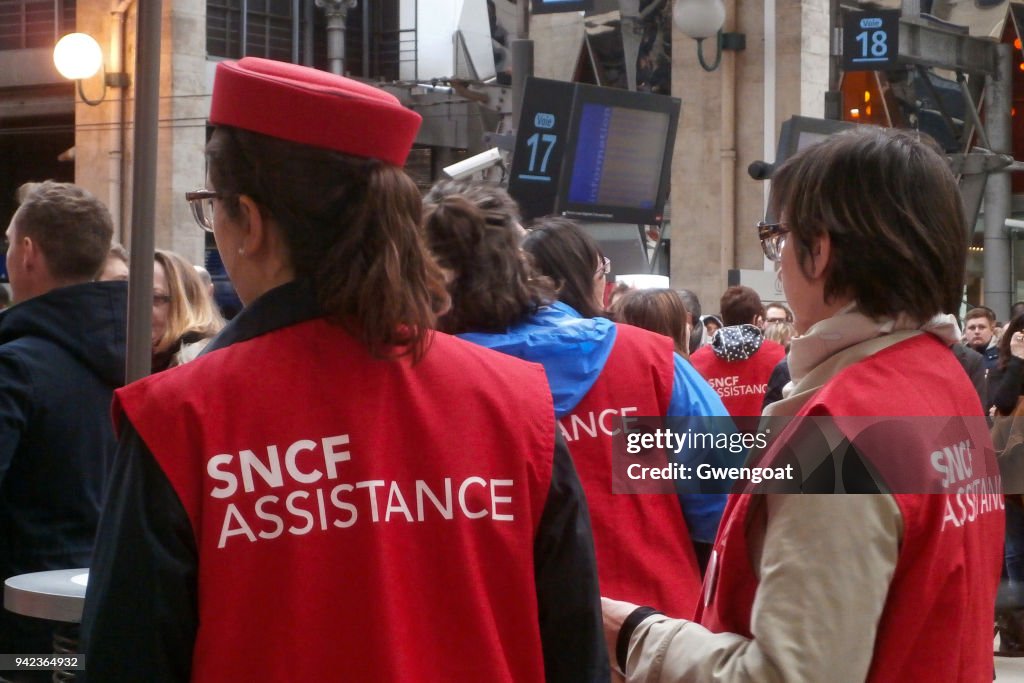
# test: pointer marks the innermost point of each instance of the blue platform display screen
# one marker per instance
(593, 153)
(619, 156)
(551, 6)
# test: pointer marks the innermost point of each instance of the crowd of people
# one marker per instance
(398, 462)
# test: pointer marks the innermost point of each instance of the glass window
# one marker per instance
(264, 27)
(34, 23)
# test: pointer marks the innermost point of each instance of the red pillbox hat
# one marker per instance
(312, 107)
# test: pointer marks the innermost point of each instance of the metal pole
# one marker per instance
(336, 42)
(366, 40)
(834, 96)
(245, 28)
(521, 50)
(147, 111)
(630, 30)
(307, 34)
(336, 11)
(998, 97)
(727, 151)
(296, 13)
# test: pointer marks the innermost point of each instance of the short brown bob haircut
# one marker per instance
(740, 306)
(657, 310)
(892, 209)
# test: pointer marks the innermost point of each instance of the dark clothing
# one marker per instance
(62, 354)
(776, 382)
(1005, 385)
(973, 364)
(163, 359)
(146, 540)
(990, 354)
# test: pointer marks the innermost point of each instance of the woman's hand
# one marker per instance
(615, 613)
(1017, 345)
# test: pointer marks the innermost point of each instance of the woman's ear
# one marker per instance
(252, 225)
(821, 254)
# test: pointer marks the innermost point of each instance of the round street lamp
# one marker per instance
(77, 56)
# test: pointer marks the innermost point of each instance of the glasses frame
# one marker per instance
(201, 203)
(773, 239)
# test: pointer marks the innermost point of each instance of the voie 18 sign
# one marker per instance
(870, 39)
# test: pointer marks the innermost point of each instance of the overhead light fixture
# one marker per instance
(78, 56)
(702, 19)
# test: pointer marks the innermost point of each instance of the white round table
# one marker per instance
(56, 595)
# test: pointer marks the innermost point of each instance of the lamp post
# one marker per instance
(78, 56)
(701, 19)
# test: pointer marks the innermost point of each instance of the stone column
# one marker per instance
(184, 96)
(98, 139)
(703, 249)
(103, 134)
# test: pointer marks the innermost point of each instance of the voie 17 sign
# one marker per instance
(870, 39)
(540, 145)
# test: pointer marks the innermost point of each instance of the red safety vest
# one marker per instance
(936, 625)
(643, 546)
(357, 518)
(741, 384)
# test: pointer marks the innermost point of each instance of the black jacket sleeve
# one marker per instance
(568, 596)
(776, 383)
(1009, 388)
(141, 612)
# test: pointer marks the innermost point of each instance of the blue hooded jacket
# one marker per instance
(573, 351)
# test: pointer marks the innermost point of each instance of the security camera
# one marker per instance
(474, 164)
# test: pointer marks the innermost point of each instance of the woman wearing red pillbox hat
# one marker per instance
(333, 491)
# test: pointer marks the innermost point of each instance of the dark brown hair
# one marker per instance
(893, 213)
(562, 251)
(72, 228)
(351, 226)
(1012, 327)
(492, 200)
(740, 305)
(657, 310)
(981, 312)
(491, 283)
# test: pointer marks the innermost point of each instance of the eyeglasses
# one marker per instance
(161, 300)
(773, 239)
(605, 268)
(775, 320)
(201, 202)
